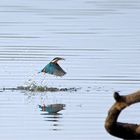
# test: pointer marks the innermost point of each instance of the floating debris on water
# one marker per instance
(42, 89)
(34, 87)
(45, 89)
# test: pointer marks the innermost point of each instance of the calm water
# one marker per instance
(100, 40)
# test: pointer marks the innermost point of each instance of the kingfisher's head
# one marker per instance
(56, 59)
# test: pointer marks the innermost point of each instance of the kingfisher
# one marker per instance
(54, 68)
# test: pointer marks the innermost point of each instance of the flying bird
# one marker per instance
(54, 68)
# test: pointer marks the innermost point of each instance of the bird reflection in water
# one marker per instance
(52, 108)
(54, 120)
(50, 113)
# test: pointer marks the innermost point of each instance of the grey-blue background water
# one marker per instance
(100, 40)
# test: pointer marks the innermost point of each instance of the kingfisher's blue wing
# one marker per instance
(57, 70)
(54, 69)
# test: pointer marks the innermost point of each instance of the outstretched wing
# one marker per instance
(57, 70)
(54, 69)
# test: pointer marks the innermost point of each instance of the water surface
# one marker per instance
(101, 44)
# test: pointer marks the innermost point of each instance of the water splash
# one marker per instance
(32, 86)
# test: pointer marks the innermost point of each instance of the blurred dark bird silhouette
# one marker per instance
(54, 68)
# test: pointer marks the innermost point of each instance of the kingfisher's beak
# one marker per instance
(57, 59)
(62, 58)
